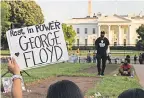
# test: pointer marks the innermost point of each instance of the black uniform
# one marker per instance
(135, 59)
(101, 46)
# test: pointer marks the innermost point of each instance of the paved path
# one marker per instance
(140, 73)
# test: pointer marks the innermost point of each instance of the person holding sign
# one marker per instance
(101, 45)
(16, 78)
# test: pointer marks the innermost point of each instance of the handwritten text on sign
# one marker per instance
(37, 45)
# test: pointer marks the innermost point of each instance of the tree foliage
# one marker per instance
(5, 14)
(140, 32)
(69, 35)
(26, 13)
(5, 23)
(19, 13)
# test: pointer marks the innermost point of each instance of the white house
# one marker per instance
(120, 29)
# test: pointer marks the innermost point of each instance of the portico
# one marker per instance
(118, 34)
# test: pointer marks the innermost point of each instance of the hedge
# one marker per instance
(111, 48)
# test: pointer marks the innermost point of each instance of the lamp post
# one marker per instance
(68, 35)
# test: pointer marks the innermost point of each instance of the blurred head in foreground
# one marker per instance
(132, 93)
(64, 89)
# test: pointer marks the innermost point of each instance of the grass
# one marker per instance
(112, 86)
(5, 52)
(108, 86)
(68, 69)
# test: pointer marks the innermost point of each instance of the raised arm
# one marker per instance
(16, 86)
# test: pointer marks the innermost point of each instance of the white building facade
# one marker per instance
(120, 30)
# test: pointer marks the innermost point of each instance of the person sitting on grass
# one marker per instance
(61, 89)
(125, 69)
(132, 93)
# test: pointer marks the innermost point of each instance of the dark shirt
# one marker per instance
(135, 58)
(101, 45)
(143, 56)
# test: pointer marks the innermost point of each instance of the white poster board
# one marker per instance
(37, 45)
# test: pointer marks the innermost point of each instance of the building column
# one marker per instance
(99, 30)
(128, 35)
(119, 36)
(109, 33)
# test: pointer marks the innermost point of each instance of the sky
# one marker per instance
(66, 9)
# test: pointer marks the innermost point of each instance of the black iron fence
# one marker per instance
(112, 47)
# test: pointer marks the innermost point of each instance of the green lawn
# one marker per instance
(5, 52)
(69, 69)
(112, 86)
(109, 85)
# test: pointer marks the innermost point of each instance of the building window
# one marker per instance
(77, 30)
(93, 30)
(77, 42)
(85, 42)
(93, 41)
(85, 30)
(124, 42)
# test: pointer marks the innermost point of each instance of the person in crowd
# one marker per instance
(132, 93)
(135, 59)
(75, 58)
(16, 78)
(94, 57)
(78, 51)
(117, 60)
(125, 69)
(128, 58)
(109, 59)
(101, 45)
(88, 57)
(140, 58)
(60, 89)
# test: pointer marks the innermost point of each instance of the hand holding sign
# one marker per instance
(13, 67)
(38, 45)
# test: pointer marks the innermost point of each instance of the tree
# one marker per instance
(69, 35)
(140, 43)
(5, 23)
(26, 12)
(19, 13)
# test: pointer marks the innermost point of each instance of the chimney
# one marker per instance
(89, 8)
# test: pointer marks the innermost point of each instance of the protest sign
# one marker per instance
(37, 45)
